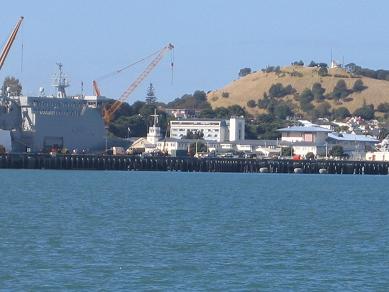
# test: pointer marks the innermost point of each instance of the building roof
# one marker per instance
(197, 120)
(257, 142)
(352, 137)
(304, 129)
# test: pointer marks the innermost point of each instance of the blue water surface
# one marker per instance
(170, 231)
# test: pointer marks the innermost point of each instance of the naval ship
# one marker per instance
(42, 123)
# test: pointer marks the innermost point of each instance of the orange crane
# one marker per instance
(109, 112)
(9, 42)
(96, 89)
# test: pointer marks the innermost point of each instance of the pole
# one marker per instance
(106, 139)
(326, 151)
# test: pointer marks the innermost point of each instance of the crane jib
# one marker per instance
(108, 114)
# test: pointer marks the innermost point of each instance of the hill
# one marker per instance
(254, 85)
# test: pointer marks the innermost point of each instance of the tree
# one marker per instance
(318, 91)
(366, 112)
(2, 149)
(383, 107)
(340, 90)
(312, 64)
(244, 71)
(222, 112)
(305, 100)
(136, 124)
(150, 95)
(306, 96)
(310, 155)
(298, 63)
(358, 86)
(197, 100)
(323, 71)
(207, 113)
(278, 90)
(282, 111)
(286, 151)
(341, 113)
(336, 151)
(323, 110)
(251, 103)
(14, 86)
(263, 103)
(236, 110)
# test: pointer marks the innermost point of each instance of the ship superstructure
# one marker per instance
(41, 123)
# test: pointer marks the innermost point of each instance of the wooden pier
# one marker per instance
(188, 164)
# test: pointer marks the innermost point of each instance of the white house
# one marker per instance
(311, 134)
(353, 145)
(306, 139)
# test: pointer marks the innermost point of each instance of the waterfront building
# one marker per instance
(219, 130)
(319, 141)
(353, 145)
(311, 134)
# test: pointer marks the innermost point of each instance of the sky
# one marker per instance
(213, 39)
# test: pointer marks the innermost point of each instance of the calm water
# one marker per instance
(67, 230)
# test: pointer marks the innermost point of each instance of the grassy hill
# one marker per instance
(254, 85)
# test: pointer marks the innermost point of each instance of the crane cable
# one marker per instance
(172, 65)
(113, 73)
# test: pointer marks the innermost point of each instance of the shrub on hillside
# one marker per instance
(278, 90)
(383, 107)
(251, 103)
(366, 112)
(226, 94)
(318, 91)
(270, 69)
(323, 71)
(341, 113)
(298, 63)
(358, 86)
(340, 90)
(323, 110)
(244, 71)
(282, 111)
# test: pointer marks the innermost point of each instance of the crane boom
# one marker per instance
(108, 113)
(96, 89)
(9, 42)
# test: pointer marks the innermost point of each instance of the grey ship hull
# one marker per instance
(39, 124)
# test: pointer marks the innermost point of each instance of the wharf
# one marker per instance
(189, 164)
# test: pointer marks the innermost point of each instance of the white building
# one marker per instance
(319, 141)
(353, 145)
(212, 129)
(312, 134)
(237, 128)
(304, 140)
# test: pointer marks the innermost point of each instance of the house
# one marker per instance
(306, 139)
(354, 145)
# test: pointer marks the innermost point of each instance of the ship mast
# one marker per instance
(60, 82)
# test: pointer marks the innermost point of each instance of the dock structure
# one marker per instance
(189, 164)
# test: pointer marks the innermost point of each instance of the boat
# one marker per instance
(42, 123)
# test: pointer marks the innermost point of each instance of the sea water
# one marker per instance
(87, 230)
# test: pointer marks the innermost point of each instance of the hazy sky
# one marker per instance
(213, 39)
